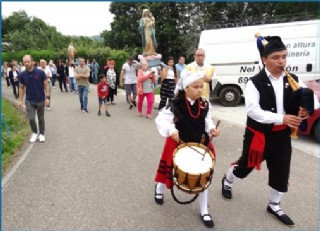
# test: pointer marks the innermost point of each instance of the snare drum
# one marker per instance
(192, 171)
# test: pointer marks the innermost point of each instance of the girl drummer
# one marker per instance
(186, 118)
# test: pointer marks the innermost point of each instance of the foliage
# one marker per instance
(178, 27)
(22, 32)
(100, 54)
(179, 24)
(19, 129)
(30, 35)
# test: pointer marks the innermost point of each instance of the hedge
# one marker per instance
(99, 54)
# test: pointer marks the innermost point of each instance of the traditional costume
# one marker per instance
(268, 99)
(192, 119)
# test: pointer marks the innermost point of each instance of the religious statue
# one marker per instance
(71, 51)
(148, 33)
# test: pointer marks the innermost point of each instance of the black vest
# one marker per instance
(191, 129)
(268, 99)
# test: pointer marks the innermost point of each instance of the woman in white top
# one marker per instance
(53, 70)
(112, 82)
(168, 82)
(71, 77)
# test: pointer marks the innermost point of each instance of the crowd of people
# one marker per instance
(75, 76)
(184, 110)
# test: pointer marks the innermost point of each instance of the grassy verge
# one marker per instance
(18, 127)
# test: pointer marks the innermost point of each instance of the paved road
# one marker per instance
(96, 173)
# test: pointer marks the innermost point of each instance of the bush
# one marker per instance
(18, 128)
(100, 54)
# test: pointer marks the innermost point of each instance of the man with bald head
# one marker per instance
(199, 65)
(34, 83)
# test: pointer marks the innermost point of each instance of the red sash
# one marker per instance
(256, 149)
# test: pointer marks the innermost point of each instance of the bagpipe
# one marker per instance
(301, 96)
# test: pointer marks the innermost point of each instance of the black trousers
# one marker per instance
(110, 97)
(8, 81)
(15, 87)
(277, 155)
(62, 80)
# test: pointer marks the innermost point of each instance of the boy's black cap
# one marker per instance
(274, 44)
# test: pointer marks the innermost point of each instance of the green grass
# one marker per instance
(19, 128)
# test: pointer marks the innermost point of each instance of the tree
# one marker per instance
(179, 24)
(14, 22)
(124, 29)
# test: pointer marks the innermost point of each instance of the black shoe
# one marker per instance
(208, 223)
(130, 107)
(157, 200)
(99, 113)
(134, 103)
(226, 190)
(284, 218)
(112, 103)
(108, 114)
(86, 110)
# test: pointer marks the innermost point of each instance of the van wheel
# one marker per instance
(317, 131)
(230, 96)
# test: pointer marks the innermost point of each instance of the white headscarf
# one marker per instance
(187, 78)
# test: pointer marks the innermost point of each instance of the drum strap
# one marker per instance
(182, 202)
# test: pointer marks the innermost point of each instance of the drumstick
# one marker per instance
(210, 140)
(180, 141)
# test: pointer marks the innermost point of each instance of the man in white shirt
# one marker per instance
(271, 113)
(128, 76)
(43, 66)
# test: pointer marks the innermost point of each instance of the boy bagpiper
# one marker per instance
(187, 118)
(270, 115)
(103, 90)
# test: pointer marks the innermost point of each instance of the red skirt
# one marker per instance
(164, 172)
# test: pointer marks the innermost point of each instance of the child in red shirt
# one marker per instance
(103, 90)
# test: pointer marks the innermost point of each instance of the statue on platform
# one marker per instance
(148, 33)
(71, 51)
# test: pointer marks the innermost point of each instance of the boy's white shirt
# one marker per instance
(166, 126)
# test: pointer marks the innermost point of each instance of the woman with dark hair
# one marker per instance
(13, 77)
(168, 82)
(61, 76)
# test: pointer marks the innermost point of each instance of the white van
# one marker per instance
(234, 54)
